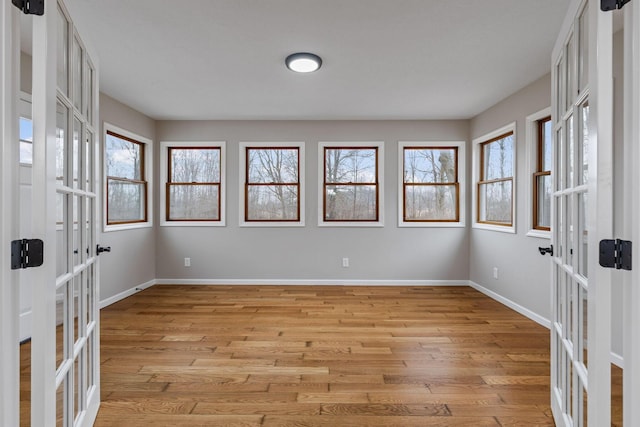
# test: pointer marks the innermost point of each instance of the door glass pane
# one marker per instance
(571, 73)
(77, 137)
(88, 152)
(583, 352)
(76, 387)
(77, 206)
(63, 53)
(88, 109)
(559, 160)
(559, 227)
(77, 74)
(89, 293)
(62, 115)
(568, 224)
(584, 152)
(560, 78)
(583, 235)
(570, 152)
(88, 221)
(583, 56)
(61, 324)
(62, 243)
(76, 298)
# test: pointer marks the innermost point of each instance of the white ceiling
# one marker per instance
(383, 59)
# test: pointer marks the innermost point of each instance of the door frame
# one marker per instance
(9, 154)
(631, 316)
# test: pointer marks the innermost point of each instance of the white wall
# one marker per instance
(523, 274)
(132, 261)
(311, 252)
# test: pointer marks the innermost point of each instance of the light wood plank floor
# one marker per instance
(321, 356)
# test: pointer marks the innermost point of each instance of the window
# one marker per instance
(542, 176)
(193, 178)
(430, 192)
(26, 130)
(495, 190)
(126, 164)
(273, 174)
(351, 177)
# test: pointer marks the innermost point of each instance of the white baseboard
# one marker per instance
(512, 305)
(617, 360)
(308, 282)
(122, 295)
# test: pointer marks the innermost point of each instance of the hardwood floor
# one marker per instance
(321, 356)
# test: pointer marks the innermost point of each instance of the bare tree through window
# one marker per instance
(430, 180)
(350, 184)
(272, 184)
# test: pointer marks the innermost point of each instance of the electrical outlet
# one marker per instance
(495, 273)
(345, 262)
(187, 262)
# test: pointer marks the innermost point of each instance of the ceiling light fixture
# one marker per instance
(303, 62)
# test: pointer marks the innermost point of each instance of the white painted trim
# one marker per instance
(164, 177)
(461, 168)
(124, 294)
(476, 142)
(241, 183)
(9, 220)
(311, 282)
(148, 168)
(513, 305)
(617, 360)
(381, 183)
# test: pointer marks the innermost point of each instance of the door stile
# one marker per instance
(9, 158)
(631, 334)
(600, 210)
(43, 378)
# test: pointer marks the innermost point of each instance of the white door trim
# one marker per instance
(631, 336)
(9, 291)
(43, 369)
(600, 214)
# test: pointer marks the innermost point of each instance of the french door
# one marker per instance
(582, 216)
(65, 386)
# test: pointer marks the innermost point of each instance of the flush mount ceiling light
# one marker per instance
(303, 62)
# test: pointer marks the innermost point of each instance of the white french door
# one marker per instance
(65, 319)
(9, 290)
(582, 216)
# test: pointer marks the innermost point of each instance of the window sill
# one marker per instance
(275, 224)
(343, 224)
(502, 229)
(123, 227)
(540, 234)
(434, 224)
(192, 224)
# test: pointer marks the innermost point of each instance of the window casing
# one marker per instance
(350, 191)
(273, 178)
(542, 182)
(430, 190)
(494, 193)
(126, 170)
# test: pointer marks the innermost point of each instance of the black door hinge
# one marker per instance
(615, 254)
(607, 5)
(31, 7)
(26, 253)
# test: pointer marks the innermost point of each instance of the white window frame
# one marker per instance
(461, 169)
(241, 183)
(531, 129)
(148, 169)
(164, 177)
(380, 166)
(477, 143)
